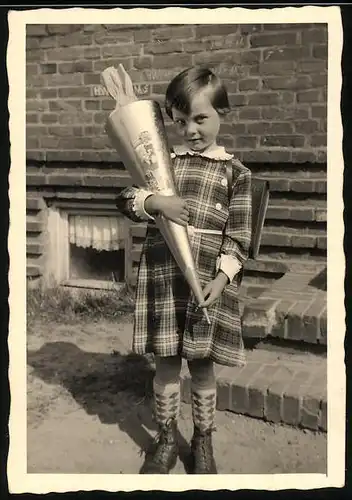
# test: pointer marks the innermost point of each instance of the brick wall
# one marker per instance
(276, 77)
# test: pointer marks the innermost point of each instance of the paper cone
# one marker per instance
(137, 132)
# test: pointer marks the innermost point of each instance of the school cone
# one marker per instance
(137, 132)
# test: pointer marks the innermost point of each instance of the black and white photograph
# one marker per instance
(169, 200)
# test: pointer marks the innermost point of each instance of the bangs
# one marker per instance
(189, 82)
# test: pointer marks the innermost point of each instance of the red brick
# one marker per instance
(67, 143)
(246, 141)
(143, 62)
(69, 79)
(64, 180)
(33, 30)
(232, 41)
(32, 43)
(61, 29)
(32, 118)
(266, 156)
(142, 35)
(92, 52)
(48, 42)
(309, 96)
(169, 47)
(249, 84)
(239, 391)
(319, 80)
(75, 92)
(304, 157)
(276, 239)
(311, 67)
(295, 325)
(36, 130)
(311, 321)
(49, 142)
(116, 51)
(264, 128)
(76, 67)
(279, 184)
(105, 38)
(302, 186)
(34, 226)
(216, 29)
(33, 203)
(36, 155)
(318, 140)
(172, 32)
(172, 61)
(48, 69)
(36, 105)
(91, 105)
(34, 248)
(35, 55)
(67, 131)
(32, 142)
(267, 40)
(248, 113)
(293, 141)
(32, 69)
(282, 311)
(285, 113)
(286, 54)
(291, 82)
(274, 399)
(310, 412)
(321, 242)
(74, 39)
(91, 79)
(238, 100)
(314, 36)
(303, 241)
(258, 389)
(48, 93)
(69, 54)
(63, 156)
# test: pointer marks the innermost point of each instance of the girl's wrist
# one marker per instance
(151, 204)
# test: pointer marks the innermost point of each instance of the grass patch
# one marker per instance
(65, 305)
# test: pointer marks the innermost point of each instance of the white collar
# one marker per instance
(212, 152)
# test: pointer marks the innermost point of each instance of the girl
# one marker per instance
(168, 321)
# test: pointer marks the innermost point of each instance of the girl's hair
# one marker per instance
(187, 83)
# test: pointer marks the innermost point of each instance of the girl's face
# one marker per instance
(200, 128)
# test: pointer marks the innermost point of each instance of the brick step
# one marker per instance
(34, 247)
(295, 184)
(34, 204)
(34, 224)
(293, 308)
(305, 211)
(277, 387)
(308, 238)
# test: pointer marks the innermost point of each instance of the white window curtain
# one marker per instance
(98, 232)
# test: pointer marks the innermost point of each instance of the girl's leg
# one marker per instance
(166, 385)
(203, 412)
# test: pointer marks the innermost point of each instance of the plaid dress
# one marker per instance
(166, 320)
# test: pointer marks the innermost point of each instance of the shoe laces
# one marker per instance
(161, 442)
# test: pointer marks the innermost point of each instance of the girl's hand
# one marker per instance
(171, 207)
(214, 289)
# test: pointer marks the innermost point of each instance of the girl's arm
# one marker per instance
(238, 230)
(130, 202)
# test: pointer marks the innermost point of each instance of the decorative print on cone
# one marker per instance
(137, 131)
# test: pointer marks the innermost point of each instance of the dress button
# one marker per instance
(218, 206)
(224, 182)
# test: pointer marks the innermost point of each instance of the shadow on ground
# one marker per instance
(115, 387)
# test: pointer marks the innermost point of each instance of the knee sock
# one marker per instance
(166, 387)
(203, 394)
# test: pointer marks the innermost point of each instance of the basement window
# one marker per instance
(87, 247)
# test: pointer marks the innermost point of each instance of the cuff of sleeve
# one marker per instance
(138, 204)
(228, 265)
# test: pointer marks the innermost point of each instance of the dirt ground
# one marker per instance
(89, 411)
